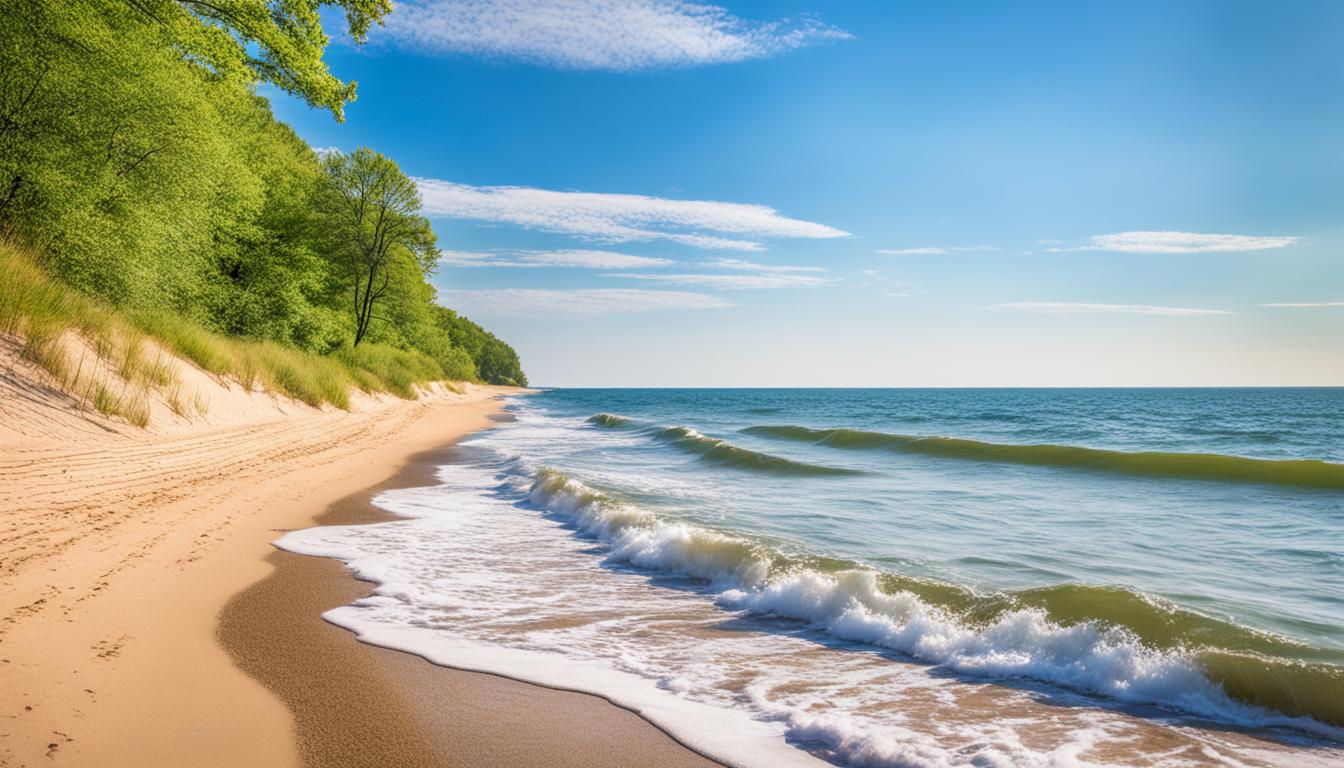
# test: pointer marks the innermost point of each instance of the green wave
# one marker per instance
(725, 454)
(608, 420)
(1303, 473)
(1254, 667)
(1292, 687)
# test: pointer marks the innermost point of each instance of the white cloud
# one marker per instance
(580, 259)
(1305, 304)
(324, 152)
(615, 218)
(751, 266)
(774, 280)
(597, 34)
(1180, 242)
(935, 250)
(930, 251)
(587, 301)
(1074, 308)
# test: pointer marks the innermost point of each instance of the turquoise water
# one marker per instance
(897, 577)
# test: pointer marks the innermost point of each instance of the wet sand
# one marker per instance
(361, 705)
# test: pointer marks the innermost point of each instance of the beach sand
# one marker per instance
(120, 549)
(357, 705)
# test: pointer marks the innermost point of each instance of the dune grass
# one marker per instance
(119, 378)
(111, 374)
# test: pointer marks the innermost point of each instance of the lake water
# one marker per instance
(894, 577)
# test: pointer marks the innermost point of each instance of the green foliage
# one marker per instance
(495, 361)
(377, 236)
(148, 176)
(280, 41)
(107, 155)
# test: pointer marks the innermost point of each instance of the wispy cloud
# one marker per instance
(900, 290)
(732, 282)
(1307, 304)
(616, 218)
(580, 259)
(597, 34)
(896, 289)
(587, 301)
(935, 250)
(751, 266)
(1179, 242)
(1076, 308)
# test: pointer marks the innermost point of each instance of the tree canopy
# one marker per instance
(280, 42)
(150, 181)
(376, 212)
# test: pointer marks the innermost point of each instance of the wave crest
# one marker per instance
(610, 420)
(724, 453)
(1305, 473)
(640, 538)
(1187, 662)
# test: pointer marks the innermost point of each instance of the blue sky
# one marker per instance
(647, 192)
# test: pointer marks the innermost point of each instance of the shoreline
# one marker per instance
(357, 704)
(122, 547)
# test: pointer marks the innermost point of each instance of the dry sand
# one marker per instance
(120, 548)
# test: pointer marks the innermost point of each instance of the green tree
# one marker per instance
(278, 41)
(145, 178)
(113, 161)
(495, 362)
(375, 212)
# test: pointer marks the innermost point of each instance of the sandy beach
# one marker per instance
(360, 705)
(146, 620)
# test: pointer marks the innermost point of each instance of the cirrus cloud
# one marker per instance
(752, 266)
(1307, 304)
(574, 258)
(935, 250)
(1081, 308)
(620, 35)
(619, 218)
(583, 301)
(759, 280)
(1166, 241)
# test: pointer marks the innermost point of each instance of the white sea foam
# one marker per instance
(413, 599)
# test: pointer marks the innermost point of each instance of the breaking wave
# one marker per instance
(1120, 644)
